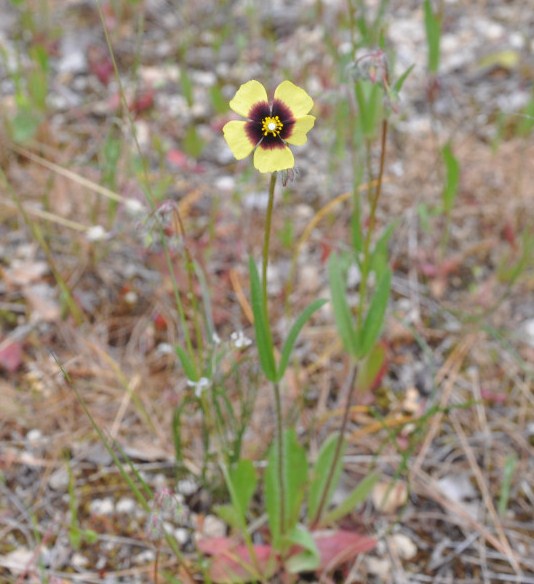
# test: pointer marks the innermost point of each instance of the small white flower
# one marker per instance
(96, 233)
(216, 339)
(240, 340)
(200, 385)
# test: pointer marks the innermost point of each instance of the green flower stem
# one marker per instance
(351, 385)
(276, 387)
(372, 224)
(267, 238)
(281, 461)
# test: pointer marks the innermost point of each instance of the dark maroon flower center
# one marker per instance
(270, 125)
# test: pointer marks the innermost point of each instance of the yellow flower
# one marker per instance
(270, 127)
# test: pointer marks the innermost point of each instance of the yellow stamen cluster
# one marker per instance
(271, 125)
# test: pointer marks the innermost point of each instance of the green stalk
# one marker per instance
(267, 238)
(280, 447)
(276, 387)
(372, 224)
(339, 444)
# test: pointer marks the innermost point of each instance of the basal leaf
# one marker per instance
(355, 498)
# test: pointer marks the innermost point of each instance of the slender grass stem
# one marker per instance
(351, 385)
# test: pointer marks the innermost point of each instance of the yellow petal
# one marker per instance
(299, 130)
(275, 159)
(238, 140)
(248, 95)
(295, 98)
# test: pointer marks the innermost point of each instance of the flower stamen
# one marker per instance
(271, 125)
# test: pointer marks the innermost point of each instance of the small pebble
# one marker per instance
(187, 487)
(59, 479)
(102, 506)
(403, 545)
(125, 505)
(213, 526)
(181, 534)
(78, 561)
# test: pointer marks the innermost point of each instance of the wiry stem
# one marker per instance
(372, 224)
(351, 381)
(267, 237)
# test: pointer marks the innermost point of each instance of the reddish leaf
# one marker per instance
(232, 562)
(508, 233)
(338, 547)
(11, 356)
(143, 101)
(100, 64)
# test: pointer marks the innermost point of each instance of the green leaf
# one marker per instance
(192, 142)
(302, 319)
(242, 484)
(321, 470)
(24, 124)
(433, 34)
(187, 86)
(400, 81)
(370, 367)
(261, 326)
(370, 98)
(309, 558)
(356, 496)
(372, 326)
(229, 515)
(452, 168)
(90, 536)
(218, 100)
(188, 365)
(510, 464)
(380, 255)
(342, 313)
(295, 471)
(177, 430)
(75, 537)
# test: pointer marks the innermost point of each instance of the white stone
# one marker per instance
(403, 545)
(181, 535)
(34, 437)
(187, 486)
(125, 505)
(78, 560)
(102, 506)
(214, 527)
